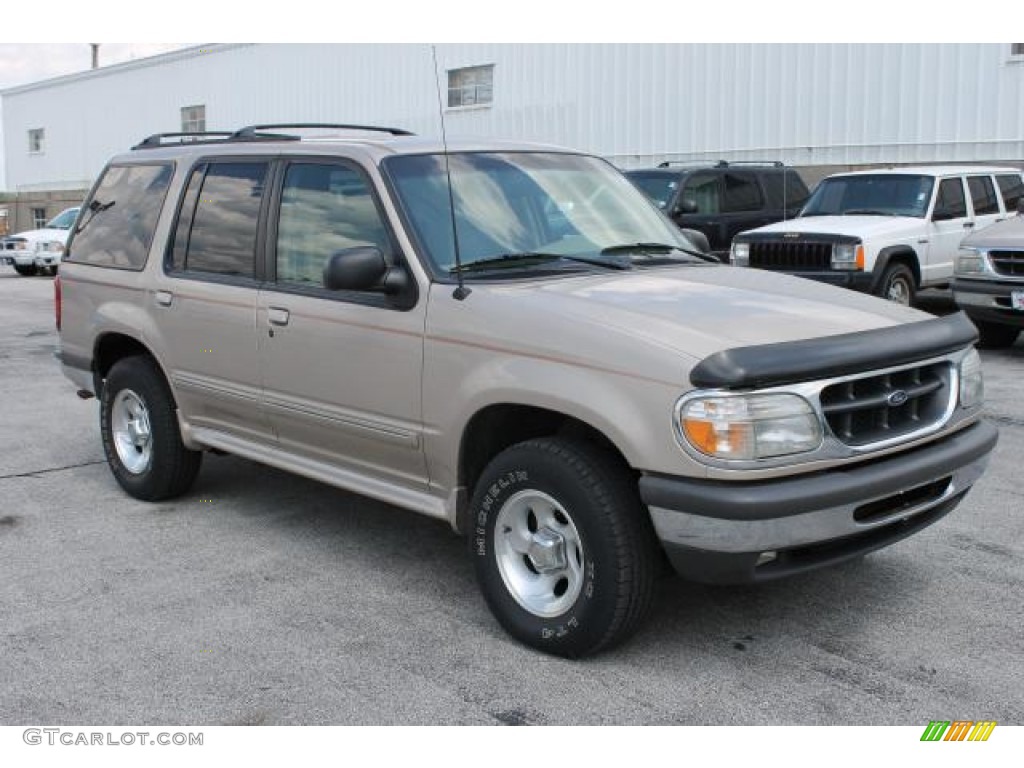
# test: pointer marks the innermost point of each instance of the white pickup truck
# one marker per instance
(39, 250)
(888, 232)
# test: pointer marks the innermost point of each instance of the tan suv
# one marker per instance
(512, 339)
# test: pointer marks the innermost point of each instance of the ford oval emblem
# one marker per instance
(897, 398)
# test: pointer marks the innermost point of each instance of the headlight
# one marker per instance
(972, 383)
(746, 427)
(53, 246)
(741, 254)
(847, 256)
(971, 261)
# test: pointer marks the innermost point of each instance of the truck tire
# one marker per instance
(995, 335)
(897, 284)
(25, 270)
(139, 427)
(564, 550)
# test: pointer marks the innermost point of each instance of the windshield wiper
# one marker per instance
(659, 248)
(531, 258)
(95, 207)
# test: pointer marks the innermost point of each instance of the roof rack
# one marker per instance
(189, 137)
(250, 132)
(722, 163)
(254, 133)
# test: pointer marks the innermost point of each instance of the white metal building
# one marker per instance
(812, 106)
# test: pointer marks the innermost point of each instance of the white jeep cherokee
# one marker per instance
(39, 250)
(888, 232)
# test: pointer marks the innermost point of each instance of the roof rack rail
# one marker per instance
(769, 163)
(188, 137)
(251, 132)
(668, 163)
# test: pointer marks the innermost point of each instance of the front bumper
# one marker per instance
(857, 280)
(30, 258)
(730, 532)
(989, 300)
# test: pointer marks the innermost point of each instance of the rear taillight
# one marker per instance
(56, 299)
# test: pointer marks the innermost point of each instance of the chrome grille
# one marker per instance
(1009, 263)
(875, 408)
(791, 256)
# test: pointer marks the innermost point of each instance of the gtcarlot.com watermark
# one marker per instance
(69, 738)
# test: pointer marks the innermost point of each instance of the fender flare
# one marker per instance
(882, 262)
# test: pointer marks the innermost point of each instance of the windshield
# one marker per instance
(509, 203)
(660, 187)
(874, 195)
(63, 220)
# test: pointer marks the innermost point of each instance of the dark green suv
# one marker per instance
(723, 199)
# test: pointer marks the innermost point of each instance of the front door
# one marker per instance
(341, 369)
(951, 222)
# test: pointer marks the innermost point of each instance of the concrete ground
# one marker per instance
(262, 598)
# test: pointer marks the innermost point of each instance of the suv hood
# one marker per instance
(1003, 234)
(659, 321)
(857, 226)
(43, 235)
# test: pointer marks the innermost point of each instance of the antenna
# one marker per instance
(461, 292)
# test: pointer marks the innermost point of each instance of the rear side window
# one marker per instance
(951, 198)
(1012, 189)
(741, 193)
(216, 230)
(983, 194)
(116, 226)
(784, 190)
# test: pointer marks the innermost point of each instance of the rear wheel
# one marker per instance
(139, 426)
(26, 270)
(897, 284)
(995, 335)
(564, 551)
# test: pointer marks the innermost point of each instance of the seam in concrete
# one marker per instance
(35, 472)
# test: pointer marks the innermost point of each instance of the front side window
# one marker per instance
(471, 86)
(983, 195)
(324, 209)
(510, 204)
(951, 201)
(702, 192)
(660, 187)
(216, 231)
(116, 228)
(887, 194)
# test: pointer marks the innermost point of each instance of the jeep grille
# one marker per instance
(791, 256)
(871, 409)
(1009, 263)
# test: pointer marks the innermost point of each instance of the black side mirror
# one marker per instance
(685, 206)
(363, 268)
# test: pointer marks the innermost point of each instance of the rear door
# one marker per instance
(743, 205)
(984, 200)
(1011, 190)
(341, 369)
(205, 302)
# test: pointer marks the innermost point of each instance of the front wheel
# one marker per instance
(897, 284)
(139, 426)
(26, 270)
(564, 550)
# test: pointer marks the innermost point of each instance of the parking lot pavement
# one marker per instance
(264, 598)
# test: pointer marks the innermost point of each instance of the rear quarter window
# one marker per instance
(115, 228)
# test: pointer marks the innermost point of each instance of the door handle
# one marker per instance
(277, 316)
(968, 225)
(164, 298)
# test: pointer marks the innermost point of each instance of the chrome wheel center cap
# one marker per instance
(547, 551)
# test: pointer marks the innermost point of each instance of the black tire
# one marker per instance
(996, 335)
(897, 284)
(171, 468)
(617, 560)
(26, 270)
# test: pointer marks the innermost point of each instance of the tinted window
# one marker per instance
(701, 189)
(741, 193)
(116, 229)
(951, 198)
(1012, 189)
(784, 190)
(222, 239)
(983, 194)
(324, 209)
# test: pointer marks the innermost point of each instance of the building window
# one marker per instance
(38, 218)
(471, 86)
(36, 136)
(193, 119)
